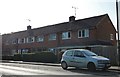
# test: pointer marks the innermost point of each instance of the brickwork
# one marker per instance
(94, 31)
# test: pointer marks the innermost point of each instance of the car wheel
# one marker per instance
(91, 67)
(64, 65)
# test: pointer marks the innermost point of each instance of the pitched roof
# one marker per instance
(67, 26)
(90, 22)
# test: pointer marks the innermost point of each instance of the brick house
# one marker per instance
(97, 31)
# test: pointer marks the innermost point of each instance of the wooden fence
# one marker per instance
(107, 51)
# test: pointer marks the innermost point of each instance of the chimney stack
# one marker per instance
(28, 27)
(71, 18)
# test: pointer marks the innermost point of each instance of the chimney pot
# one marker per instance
(28, 27)
(71, 18)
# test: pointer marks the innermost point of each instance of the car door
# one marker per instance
(70, 58)
(79, 59)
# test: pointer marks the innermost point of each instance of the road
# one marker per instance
(27, 69)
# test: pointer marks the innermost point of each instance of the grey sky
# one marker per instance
(14, 13)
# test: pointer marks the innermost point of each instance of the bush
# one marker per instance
(17, 57)
(7, 57)
(47, 57)
(28, 57)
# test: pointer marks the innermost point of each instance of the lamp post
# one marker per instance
(117, 14)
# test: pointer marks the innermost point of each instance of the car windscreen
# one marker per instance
(89, 53)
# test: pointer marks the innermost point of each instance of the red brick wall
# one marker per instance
(101, 32)
(104, 29)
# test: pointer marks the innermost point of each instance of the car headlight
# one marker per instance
(103, 61)
(100, 61)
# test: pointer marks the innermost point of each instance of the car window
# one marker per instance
(69, 53)
(89, 53)
(78, 54)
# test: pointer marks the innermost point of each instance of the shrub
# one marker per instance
(17, 57)
(46, 57)
(7, 57)
(28, 57)
(37, 57)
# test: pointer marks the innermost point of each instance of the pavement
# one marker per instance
(116, 68)
(33, 63)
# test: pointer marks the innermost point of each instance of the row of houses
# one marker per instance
(91, 33)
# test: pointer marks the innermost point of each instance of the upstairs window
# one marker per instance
(52, 37)
(111, 37)
(83, 33)
(66, 35)
(20, 41)
(23, 40)
(40, 38)
(30, 39)
(14, 41)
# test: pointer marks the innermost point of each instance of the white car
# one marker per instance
(83, 58)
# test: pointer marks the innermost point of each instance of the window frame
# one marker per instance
(14, 41)
(40, 38)
(52, 36)
(21, 40)
(30, 39)
(86, 33)
(111, 36)
(66, 35)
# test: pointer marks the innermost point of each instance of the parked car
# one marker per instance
(82, 58)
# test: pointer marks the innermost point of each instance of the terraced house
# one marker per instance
(93, 33)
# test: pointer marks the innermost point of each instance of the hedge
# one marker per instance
(17, 57)
(7, 57)
(37, 57)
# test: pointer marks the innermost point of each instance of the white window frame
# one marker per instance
(65, 35)
(23, 40)
(20, 40)
(111, 37)
(30, 39)
(24, 51)
(14, 41)
(19, 51)
(52, 36)
(86, 34)
(40, 38)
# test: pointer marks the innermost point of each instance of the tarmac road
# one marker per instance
(38, 70)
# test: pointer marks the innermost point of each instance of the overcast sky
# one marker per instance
(14, 14)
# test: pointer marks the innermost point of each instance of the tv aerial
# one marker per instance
(75, 8)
